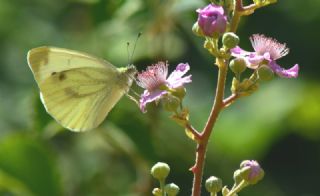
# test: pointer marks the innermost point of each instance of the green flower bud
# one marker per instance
(197, 30)
(160, 171)
(172, 189)
(157, 192)
(251, 171)
(171, 103)
(265, 73)
(213, 184)
(179, 92)
(238, 65)
(230, 40)
(237, 176)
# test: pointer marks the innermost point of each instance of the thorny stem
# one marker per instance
(218, 105)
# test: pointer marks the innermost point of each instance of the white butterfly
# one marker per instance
(78, 89)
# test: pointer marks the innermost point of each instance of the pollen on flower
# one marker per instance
(263, 44)
(154, 76)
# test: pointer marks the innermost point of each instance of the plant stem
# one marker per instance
(236, 16)
(194, 132)
(229, 100)
(218, 105)
(238, 188)
(162, 184)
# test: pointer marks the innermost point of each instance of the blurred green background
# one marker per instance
(279, 125)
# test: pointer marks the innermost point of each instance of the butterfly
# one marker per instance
(78, 90)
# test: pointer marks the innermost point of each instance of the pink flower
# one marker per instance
(156, 84)
(266, 50)
(212, 19)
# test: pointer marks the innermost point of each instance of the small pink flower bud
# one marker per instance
(212, 20)
(251, 171)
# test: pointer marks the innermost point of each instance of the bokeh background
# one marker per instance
(279, 125)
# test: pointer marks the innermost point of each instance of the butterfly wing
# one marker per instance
(77, 89)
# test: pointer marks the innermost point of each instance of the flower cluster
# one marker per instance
(156, 83)
(217, 24)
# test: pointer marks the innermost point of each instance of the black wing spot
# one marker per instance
(53, 73)
(62, 76)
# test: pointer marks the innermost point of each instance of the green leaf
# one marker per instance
(27, 166)
(40, 118)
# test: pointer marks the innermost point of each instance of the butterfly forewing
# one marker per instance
(78, 90)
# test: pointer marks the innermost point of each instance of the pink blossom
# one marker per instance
(156, 83)
(266, 51)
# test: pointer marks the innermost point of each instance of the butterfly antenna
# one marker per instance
(134, 47)
(128, 52)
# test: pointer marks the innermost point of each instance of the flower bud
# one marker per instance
(212, 20)
(230, 40)
(213, 184)
(171, 103)
(179, 92)
(237, 176)
(265, 73)
(160, 171)
(196, 29)
(172, 189)
(238, 65)
(251, 171)
(157, 192)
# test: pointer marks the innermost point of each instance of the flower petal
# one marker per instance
(285, 73)
(254, 60)
(180, 70)
(180, 82)
(239, 52)
(148, 97)
(175, 79)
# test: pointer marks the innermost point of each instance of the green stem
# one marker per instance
(238, 188)
(213, 194)
(218, 105)
(236, 16)
(162, 184)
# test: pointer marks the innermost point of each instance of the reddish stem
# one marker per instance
(194, 132)
(218, 105)
(229, 100)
